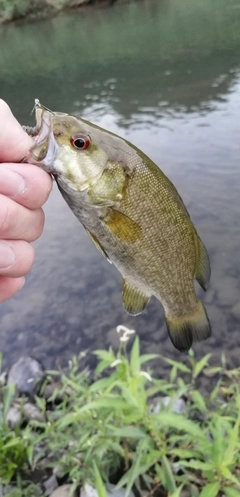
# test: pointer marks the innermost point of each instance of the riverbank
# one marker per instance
(120, 434)
(34, 10)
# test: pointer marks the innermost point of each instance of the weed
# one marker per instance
(105, 427)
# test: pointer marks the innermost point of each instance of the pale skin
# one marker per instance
(24, 188)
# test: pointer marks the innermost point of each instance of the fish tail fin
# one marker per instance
(184, 330)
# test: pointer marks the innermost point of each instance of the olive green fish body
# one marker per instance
(134, 215)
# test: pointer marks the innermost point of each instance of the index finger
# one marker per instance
(14, 141)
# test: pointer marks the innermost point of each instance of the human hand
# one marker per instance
(24, 188)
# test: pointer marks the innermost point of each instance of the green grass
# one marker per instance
(104, 428)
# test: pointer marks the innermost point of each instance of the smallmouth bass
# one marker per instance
(133, 214)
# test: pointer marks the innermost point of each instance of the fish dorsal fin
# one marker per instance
(203, 270)
(98, 245)
(134, 300)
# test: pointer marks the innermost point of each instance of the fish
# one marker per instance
(133, 214)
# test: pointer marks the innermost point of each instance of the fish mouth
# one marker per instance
(45, 148)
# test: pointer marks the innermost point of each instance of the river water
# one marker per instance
(165, 75)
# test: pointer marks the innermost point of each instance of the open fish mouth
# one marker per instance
(35, 131)
(45, 148)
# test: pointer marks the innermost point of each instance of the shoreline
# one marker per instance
(34, 10)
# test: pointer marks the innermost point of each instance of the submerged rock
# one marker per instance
(27, 374)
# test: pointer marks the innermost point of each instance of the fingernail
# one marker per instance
(11, 183)
(22, 283)
(7, 255)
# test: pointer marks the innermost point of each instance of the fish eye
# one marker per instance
(80, 142)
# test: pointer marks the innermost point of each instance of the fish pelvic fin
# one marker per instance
(134, 300)
(184, 330)
(203, 269)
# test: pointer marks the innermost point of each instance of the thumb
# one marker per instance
(14, 141)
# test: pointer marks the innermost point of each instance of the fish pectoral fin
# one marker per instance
(122, 226)
(98, 245)
(184, 330)
(203, 270)
(134, 300)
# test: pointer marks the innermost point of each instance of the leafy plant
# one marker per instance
(106, 426)
(13, 448)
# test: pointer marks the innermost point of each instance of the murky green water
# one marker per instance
(166, 75)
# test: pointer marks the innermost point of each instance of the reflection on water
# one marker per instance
(166, 75)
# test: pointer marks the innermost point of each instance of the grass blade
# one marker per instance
(169, 478)
(211, 490)
(134, 358)
(231, 492)
(101, 490)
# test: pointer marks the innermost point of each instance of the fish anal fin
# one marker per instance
(184, 330)
(203, 269)
(98, 245)
(123, 227)
(134, 300)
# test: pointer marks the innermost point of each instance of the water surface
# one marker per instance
(165, 75)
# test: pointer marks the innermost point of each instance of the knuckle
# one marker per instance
(39, 185)
(34, 226)
(40, 218)
(8, 219)
(18, 222)
(26, 258)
